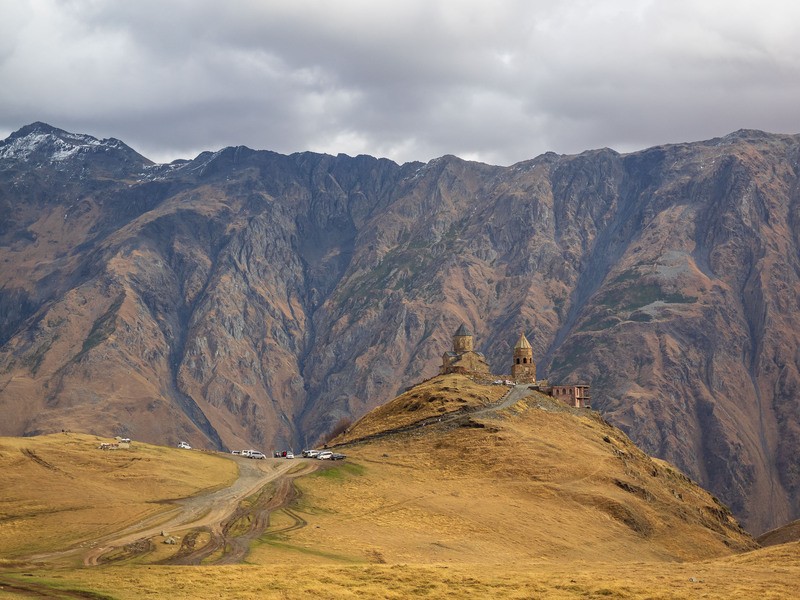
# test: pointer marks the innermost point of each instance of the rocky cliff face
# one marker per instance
(249, 298)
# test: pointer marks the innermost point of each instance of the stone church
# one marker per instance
(465, 360)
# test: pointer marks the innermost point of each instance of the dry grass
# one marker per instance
(536, 502)
(759, 574)
(60, 490)
(435, 397)
(788, 533)
(527, 485)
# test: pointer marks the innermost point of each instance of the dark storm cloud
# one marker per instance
(411, 80)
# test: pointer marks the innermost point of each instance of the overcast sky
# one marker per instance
(497, 81)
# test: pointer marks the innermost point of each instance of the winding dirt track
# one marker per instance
(209, 511)
(232, 538)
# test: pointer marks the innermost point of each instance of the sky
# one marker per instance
(495, 81)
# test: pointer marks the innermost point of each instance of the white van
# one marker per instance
(325, 455)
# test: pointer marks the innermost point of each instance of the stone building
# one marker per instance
(463, 358)
(523, 369)
(576, 396)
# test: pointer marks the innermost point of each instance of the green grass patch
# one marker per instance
(55, 589)
(636, 296)
(640, 317)
(340, 471)
(272, 541)
(629, 275)
(600, 322)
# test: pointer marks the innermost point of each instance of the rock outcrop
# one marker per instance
(249, 298)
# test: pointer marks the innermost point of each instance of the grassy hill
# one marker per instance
(443, 495)
(60, 490)
(534, 481)
(782, 535)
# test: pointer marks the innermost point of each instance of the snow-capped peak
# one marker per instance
(42, 143)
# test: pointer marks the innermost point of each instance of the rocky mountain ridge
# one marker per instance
(246, 297)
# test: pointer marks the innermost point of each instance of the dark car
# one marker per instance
(337, 456)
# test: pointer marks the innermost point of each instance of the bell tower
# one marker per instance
(462, 340)
(523, 369)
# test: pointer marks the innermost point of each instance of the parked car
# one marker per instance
(246, 453)
(184, 445)
(337, 456)
(326, 455)
(257, 454)
(310, 453)
(236, 452)
(289, 455)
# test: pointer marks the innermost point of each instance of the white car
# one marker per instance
(289, 455)
(256, 454)
(325, 455)
(184, 445)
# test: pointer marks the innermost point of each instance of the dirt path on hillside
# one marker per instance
(230, 540)
(514, 395)
(205, 510)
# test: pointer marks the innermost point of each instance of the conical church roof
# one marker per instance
(462, 331)
(522, 343)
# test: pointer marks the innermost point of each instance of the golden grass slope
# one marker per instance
(768, 574)
(60, 490)
(534, 501)
(432, 398)
(536, 481)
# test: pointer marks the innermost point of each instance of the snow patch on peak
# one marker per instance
(42, 143)
(46, 145)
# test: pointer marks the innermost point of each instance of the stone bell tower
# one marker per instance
(523, 369)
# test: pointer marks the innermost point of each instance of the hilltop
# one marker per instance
(486, 479)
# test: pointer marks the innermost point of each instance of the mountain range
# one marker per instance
(250, 298)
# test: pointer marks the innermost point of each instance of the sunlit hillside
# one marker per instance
(454, 489)
(60, 490)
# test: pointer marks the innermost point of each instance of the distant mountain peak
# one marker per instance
(41, 143)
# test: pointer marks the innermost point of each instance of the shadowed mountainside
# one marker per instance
(250, 298)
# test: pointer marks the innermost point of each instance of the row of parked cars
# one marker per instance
(249, 453)
(318, 454)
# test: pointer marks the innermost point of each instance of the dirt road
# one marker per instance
(205, 510)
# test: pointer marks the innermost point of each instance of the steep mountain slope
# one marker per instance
(247, 298)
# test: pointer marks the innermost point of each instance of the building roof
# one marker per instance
(462, 331)
(522, 342)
